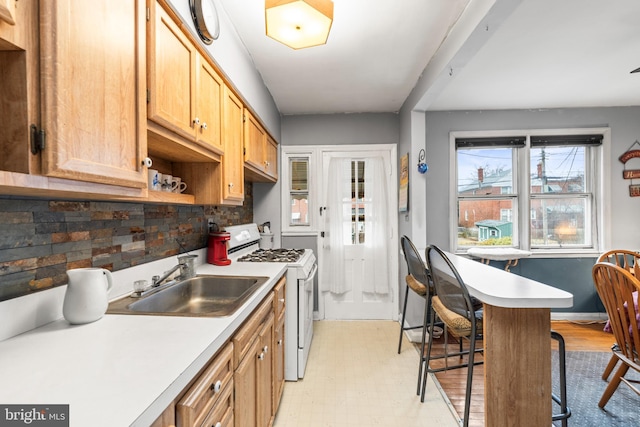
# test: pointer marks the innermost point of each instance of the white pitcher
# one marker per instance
(86, 299)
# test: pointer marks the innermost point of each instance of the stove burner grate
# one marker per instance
(273, 255)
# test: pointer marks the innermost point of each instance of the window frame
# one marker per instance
(288, 154)
(598, 176)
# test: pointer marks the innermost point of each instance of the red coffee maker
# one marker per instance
(217, 249)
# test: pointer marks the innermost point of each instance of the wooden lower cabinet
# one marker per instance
(243, 383)
(209, 393)
(254, 372)
(245, 389)
(278, 342)
(264, 375)
(222, 414)
(278, 363)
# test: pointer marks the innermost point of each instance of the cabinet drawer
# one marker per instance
(242, 340)
(222, 414)
(279, 302)
(196, 404)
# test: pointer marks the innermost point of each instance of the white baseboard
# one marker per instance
(414, 335)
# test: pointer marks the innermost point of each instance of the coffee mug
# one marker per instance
(168, 184)
(155, 183)
(178, 185)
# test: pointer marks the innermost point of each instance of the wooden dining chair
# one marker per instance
(615, 286)
(629, 261)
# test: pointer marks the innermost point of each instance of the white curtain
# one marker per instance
(338, 218)
(376, 239)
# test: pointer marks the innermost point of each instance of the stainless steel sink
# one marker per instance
(200, 296)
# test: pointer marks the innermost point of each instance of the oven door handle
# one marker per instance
(308, 282)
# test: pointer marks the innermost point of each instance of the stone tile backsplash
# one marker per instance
(41, 239)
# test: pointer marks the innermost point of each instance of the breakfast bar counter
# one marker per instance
(517, 343)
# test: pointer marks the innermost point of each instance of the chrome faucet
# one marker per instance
(187, 271)
(157, 280)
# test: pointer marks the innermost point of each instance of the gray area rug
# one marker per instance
(585, 387)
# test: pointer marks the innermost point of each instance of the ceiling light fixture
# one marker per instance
(299, 23)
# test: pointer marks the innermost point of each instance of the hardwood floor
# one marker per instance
(578, 337)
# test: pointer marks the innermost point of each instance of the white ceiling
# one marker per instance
(544, 54)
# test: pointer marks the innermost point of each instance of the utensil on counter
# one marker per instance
(86, 298)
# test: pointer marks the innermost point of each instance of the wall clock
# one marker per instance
(205, 18)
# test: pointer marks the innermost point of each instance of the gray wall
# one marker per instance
(571, 274)
(341, 129)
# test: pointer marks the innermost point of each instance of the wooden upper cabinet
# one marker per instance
(260, 151)
(232, 161)
(184, 89)
(172, 73)
(254, 140)
(209, 88)
(271, 158)
(92, 102)
(219, 183)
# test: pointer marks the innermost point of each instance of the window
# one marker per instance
(553, 176)
(299, 191)
(358, 202)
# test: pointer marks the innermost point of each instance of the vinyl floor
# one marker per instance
(356, 378)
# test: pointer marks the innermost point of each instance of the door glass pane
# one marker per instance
(485, 222)
(299, 209)
(299, 191)
(357, 202)
(558, 170)
(559, 222)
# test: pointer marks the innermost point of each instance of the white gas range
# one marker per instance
(302, 268)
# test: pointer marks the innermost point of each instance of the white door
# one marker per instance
(358, 250)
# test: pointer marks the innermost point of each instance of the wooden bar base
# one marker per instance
(517, 367)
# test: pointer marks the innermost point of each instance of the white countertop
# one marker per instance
(498, 254)
(122, 369)
(500, 288)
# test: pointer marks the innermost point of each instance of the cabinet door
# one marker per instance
(278, 363)
(208, 105)
(271, 158)
(92, 101)
(254, 141)
(208, 390)
(172, 62)
(232, 163)
(244, 380)
(222, 413)
(264, 374)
